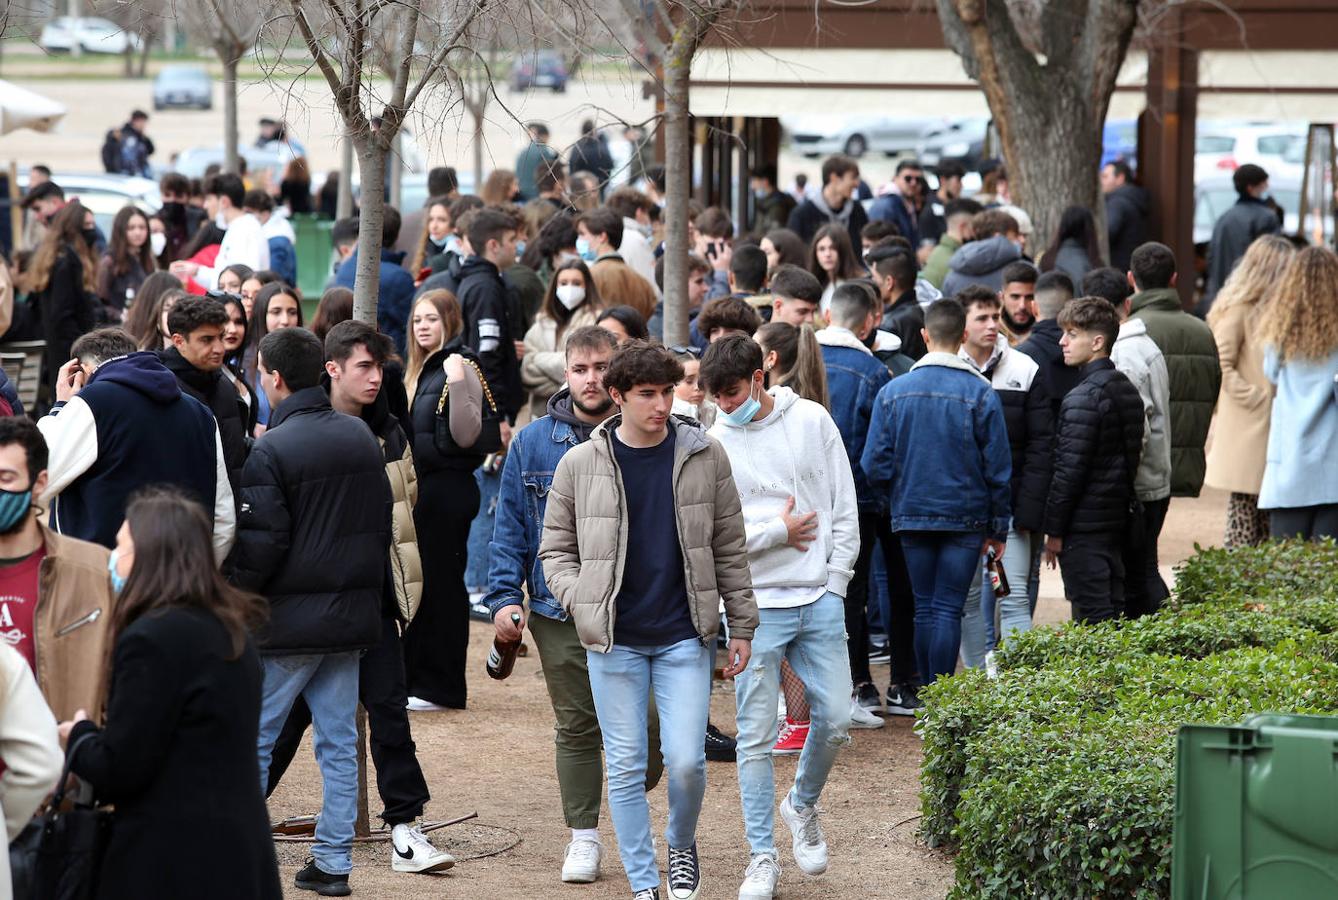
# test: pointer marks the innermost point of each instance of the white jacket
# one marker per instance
(244, 242)
(637, 253)
(29, 748)
(797, 452)
(1138, 357)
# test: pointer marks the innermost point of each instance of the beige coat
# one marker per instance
(1244, 404)
(544, 368)
(584, 547)
(405, 564)
(72, 625)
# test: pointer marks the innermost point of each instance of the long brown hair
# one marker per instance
(448, 307)
(174, 567)
(1255, 277)
(553, 308)
(119, 249)
(1301, 321)
(66, 231)
(421, 255)
(498, 187)
(847, 266)
(799, 359)
(141, 320)
(336, 306)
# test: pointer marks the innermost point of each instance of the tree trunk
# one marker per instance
(678, 191)
(397, 171)
(128, 59)
(477, 143)
(142, 68)
(366, 287)
(344, 203)
(230, 156)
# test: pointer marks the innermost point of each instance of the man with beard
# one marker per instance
(535, 451)
(1018, 296)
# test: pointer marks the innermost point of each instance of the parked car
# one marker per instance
(105, 195)
(1119, 141)
(543, 69)
(91, 35)
(193, 162)
(961, 140)
(1224, 147)
(1214, 196)
(183, 86)
(823, 134)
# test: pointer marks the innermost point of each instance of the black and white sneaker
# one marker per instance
(866, 695)
(880, 652)
(312, 878)
(720, 747)
(902, 700)
(685, 874)
(413, 852)
(647, 894)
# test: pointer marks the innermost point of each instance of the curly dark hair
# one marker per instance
(641, 362)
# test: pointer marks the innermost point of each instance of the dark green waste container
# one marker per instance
(314, 254)
(1256, 810)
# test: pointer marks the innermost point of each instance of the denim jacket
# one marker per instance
(854, 378)
(527, 477)
(938, 450)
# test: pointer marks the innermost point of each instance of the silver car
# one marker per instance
(823, 135)
(188, 87)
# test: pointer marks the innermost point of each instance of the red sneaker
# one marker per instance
(791, 738)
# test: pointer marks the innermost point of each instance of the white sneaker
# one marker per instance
(417, 704)
(862, 718)
(415, 853)
(581, 865)
(759, 882)
(810, 847)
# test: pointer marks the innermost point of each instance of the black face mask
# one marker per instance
(90, 237)
(173, 212)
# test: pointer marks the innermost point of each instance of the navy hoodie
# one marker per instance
(129, 427)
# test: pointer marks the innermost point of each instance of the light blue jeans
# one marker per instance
(329, 684)
(978, 632)
(621, 681)
(813, 639)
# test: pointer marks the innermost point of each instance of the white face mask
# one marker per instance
(221, 220)
(570, 295)
(157, 243)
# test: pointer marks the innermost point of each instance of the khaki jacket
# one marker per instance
(405, 563)
(1244, 404)
(584, 547)
(72, 625)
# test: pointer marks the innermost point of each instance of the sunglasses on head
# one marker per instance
(694, 352)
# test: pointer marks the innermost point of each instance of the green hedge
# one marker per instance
(1056, 779)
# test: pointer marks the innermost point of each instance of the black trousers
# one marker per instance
(399, 778)
(1144, 589)
(436, 642)
(1308, 522)
(1092, 566)
(876, 530)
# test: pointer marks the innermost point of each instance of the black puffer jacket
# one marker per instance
(905, 318)
(314, 529)
(1098, 440)
(423, 416)
(1042, 345)
(487, 308)
(217, 393)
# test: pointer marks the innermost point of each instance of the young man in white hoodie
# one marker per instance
(802, 524)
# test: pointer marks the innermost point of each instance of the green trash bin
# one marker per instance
(314, 254)
(1256, 810)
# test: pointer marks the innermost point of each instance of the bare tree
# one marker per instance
(231, 28)
(338, 34)
(475, 83)
(1048, 69)
(674, 33)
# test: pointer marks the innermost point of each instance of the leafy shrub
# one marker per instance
(1056, 779)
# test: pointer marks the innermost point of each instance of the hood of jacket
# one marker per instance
(842, 215)
(560, 408)
(198, 380)
(836, 336)
(948, 361)
(1166, 299)
(1130, 328)
(983, 257)
(141, 371)
(279, 227)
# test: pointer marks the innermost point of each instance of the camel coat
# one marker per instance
(1244, 404)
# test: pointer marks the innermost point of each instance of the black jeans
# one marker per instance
(399, 778)
(876, 528)
(1093, 569)
(1144, 589)
(1308, 522)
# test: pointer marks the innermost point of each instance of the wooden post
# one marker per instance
(362, 825)
(15, 210)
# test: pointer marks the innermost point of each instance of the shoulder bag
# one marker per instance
(490, 434)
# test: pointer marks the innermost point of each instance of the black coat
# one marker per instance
(487, 308)
(314, 528)
(1031, 433)
(808, 217)
(178, 760)
(66, 310)
(1098, 441)
(423, 417)
(1126, 223)
(219, 394)
(905, 318)
(1042, 345)
(590, 155)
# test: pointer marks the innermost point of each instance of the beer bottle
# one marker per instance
(502, 657)
(998, 578)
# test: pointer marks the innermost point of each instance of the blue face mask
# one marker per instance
(14, 505)
(584, 250)
(440, 244)
(744, 412)
(520, 249)
(118, 583)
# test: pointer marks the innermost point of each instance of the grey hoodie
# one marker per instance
(980, 262)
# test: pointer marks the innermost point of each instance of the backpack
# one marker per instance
(111, 153)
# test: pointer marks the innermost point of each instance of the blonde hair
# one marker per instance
(1255, 276)
(451, 323)
(799, 359)
(1302, 319)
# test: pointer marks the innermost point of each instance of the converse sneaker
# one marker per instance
(866, 695)
(581, 865)
(720, 747)
(902, 700)
(415, 853)
(810, 847)
(791, 738)
(647, 894)
(863, 718)
(685, 874)
(759, 882)
(313, 878)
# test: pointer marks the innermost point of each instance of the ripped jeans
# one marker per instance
(813, 639)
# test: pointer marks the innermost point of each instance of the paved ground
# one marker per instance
(496, 759)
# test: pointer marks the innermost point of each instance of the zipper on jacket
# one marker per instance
(88, 619)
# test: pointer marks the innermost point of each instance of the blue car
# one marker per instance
(1119, 141)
